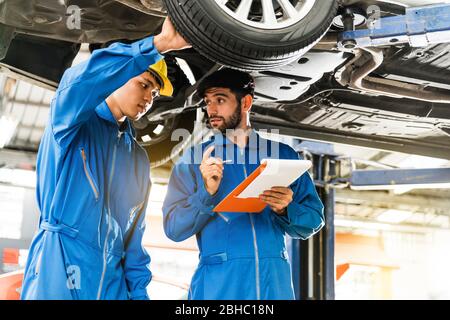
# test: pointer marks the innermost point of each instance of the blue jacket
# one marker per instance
(242, 255)
(93, 182)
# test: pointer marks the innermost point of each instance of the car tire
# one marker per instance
(225, 39)
(164, 148)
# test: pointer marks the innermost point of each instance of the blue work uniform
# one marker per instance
(93, 182)
(242, 255)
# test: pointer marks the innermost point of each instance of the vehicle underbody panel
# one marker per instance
(302, 98)
(329, 112)
(80, 21)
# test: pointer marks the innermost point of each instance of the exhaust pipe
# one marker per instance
(355, 75)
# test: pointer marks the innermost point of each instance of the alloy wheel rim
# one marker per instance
(267, 14)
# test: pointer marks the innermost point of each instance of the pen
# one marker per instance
(225, 161)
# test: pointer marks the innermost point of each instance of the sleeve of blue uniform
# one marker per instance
(187, 207)
(84, 86)
(305, 213)
(136, 262)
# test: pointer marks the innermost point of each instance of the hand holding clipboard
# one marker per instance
(271, 173)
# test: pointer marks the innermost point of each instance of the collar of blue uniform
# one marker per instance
(105, 113)
(254, 140)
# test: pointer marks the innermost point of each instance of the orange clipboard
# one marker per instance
(231, 203)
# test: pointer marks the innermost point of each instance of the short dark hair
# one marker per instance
(239, 82)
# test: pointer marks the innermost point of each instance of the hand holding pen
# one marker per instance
(212, 171)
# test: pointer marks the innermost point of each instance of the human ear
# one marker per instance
(247, 102)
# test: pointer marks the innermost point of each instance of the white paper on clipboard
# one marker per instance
(277, 173)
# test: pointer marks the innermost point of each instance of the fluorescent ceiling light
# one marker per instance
(7, 130)
(399, 189)
(415, 161)
(146, 138)
(394, 216)
(354, 224)
(17, 177)
(158, 129)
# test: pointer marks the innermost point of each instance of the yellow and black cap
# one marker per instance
(159, 71)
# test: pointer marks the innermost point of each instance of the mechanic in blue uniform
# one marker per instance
(242, 255)
(93, 179)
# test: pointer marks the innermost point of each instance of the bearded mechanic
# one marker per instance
(242, 255)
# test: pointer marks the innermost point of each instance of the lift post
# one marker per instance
(313, 260)
(313, 266)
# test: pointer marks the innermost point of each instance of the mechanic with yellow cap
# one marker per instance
(93, 178)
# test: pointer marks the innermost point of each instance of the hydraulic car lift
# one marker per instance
(420, 27)
(313, 266)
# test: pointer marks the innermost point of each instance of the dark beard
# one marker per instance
(230, 123)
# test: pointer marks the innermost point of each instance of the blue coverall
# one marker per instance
(93, 182)
(242, 255)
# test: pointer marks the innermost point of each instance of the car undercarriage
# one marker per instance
(323, 94)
